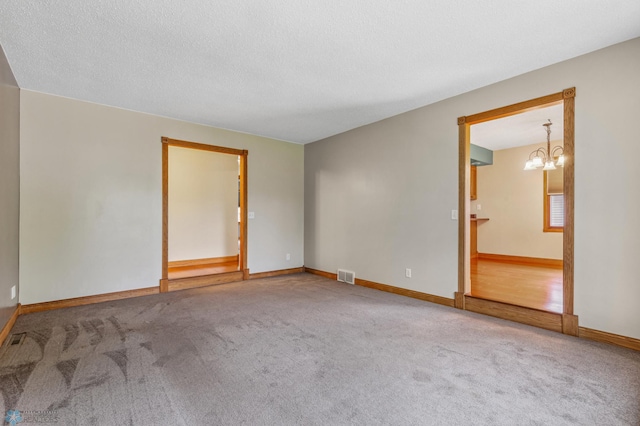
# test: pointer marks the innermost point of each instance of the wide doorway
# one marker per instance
(556, 312)
(204, 214)
(516, 212)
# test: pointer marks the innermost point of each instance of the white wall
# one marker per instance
(512, 199)
(378, 198)
(91, 197)
(203, 204)
(9, 188)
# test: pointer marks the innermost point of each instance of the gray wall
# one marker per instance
(9, 187)
(378, 198)
(91, 197)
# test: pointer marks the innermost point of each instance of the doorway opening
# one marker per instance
(204, 207)
(557, 318)
(516, 257)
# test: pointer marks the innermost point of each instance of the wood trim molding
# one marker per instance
(567, 97)
(570, 325)
(9, 325)
(202, 146)
(406, 292)
(165, 215)
(542, 319)
(569, 93)
(614, 339)
(464, 204)
(243, 261)
(550, 263)
(86, 300)
(277, 273)
(568, 189)
(169, 285)
(329, 275)
(204, 280)
(506, 111)
(205, 261)
(389, 289)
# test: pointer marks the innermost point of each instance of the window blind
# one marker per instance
(556, 211)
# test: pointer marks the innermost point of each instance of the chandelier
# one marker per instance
(546, 158)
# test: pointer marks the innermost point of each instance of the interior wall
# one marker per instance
(203, 204)
(512, 199)
(91, 197)
(378, 199)
(9, 188)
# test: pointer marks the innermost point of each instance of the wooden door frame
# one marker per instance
(243, 274)
(566, 322)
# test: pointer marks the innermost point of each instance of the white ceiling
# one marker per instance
(520, 129)
(295, 70)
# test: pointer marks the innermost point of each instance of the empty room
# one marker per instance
(329, 213)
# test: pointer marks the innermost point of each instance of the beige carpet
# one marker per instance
(302, 349)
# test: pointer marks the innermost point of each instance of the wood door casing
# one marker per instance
(567, 98)
(243, 154)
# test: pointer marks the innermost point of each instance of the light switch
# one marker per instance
(454, 214)
(252, 215)
(478, 206)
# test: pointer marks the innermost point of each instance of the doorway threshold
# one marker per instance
(204, 280)
(537, 318)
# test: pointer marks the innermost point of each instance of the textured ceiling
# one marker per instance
(295, 70)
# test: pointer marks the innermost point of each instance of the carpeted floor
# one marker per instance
(302, 349)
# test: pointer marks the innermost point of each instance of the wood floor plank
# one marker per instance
(205, 280)
(200, 270)
(531, 286)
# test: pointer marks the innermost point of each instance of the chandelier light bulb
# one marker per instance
(542, 157)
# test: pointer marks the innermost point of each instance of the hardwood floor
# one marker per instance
(199, 270)
(531, 286)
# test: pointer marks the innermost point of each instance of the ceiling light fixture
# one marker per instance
(546, 158)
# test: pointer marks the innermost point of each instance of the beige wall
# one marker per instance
(9, 188)
(378, 199)
(512, 200)
(91, 197)
(203, 204)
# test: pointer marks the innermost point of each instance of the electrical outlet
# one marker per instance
(13, 292)
(252, 215)
(407, 273)
(288, 256)
(454, 214)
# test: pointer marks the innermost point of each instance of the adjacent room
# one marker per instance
(329, 213)
(517, 214)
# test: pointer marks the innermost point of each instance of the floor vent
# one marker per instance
(16, 339)
(348, 277)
